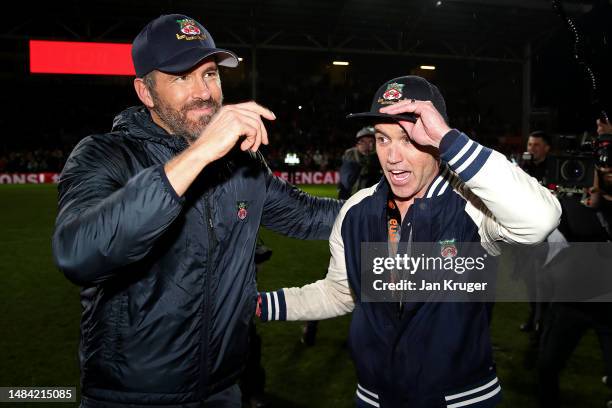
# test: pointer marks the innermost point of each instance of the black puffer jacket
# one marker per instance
(168, 282)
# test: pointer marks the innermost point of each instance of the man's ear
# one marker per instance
(143, 93)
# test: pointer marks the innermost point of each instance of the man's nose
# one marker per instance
(201, 90)
(393, 155)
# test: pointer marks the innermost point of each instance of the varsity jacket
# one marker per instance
(434, 354)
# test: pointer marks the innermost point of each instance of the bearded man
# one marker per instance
(158, 222)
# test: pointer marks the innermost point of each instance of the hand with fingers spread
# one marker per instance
(229, 125)
(429, 128)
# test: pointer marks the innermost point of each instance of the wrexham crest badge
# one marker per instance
(448, 249)
(242, 207)
(190, 30)
(393, 92)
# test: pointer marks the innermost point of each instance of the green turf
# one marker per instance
(40, 311)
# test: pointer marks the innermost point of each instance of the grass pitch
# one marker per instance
(40, 312)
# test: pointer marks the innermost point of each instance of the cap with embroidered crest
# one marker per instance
(175, 43)
(400, 89)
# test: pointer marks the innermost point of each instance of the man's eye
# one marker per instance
(211, 74)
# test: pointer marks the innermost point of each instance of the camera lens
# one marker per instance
(572, 170)
(604, 156)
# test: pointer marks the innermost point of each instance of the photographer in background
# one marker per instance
(534, 162)
(600, 196)
(565, 323)
(360, 168)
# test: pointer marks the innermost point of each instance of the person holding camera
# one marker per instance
(535, 164)
(538, 147)
(566, 322)
(360, 168)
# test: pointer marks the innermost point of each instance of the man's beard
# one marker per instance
(177, 120)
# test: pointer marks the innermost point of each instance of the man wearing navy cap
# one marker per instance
(158, 221)
(439, 187)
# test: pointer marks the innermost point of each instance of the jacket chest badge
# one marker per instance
(448, 249)
(242, 207)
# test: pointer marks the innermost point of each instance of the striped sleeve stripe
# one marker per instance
(464, 156)
(461, 153)
(269, 307)
(273, 306)
(276, 309)
(469, 160)
(453, 146)
(476, 164)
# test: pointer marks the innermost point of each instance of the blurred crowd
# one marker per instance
(33, 161)
(311, 123)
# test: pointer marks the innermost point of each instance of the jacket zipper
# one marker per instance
(206, 303)
(400, 306)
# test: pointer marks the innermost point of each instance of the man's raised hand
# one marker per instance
(229, 125)
(429, 128)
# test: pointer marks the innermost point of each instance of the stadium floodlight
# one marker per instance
(292, 159)
(240, 59)
(343, 63)
(428, 67)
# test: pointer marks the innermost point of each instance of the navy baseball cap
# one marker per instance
(175, 43)
(400, 89)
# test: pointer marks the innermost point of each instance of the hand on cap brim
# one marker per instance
(430, 127)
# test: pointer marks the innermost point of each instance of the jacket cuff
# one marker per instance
(271, 306)
(164, 178)
(463, 155)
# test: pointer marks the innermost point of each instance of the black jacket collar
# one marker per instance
(137, 122)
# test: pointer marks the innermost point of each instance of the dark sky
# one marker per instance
(560, 81)
(483, 96)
